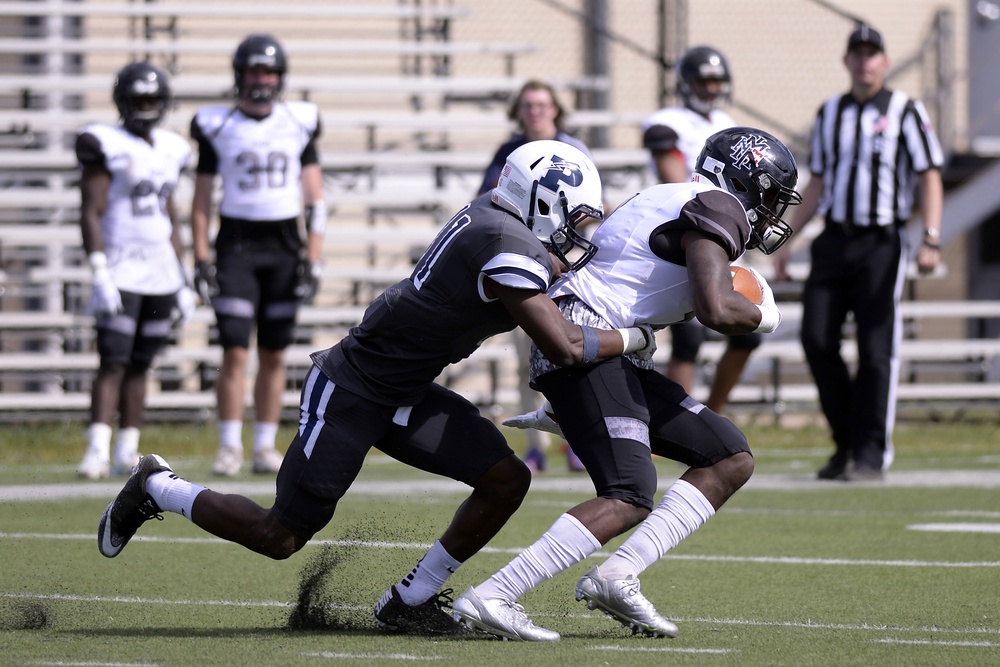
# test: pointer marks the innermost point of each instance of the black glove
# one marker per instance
(205, 282)
(307, 280)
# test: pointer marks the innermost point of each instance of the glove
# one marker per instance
(205, 281)
(307, 280)
(105, 299)
(639, 340)
(185, 305)
(646, 352)
(770, 316)
(541, 419)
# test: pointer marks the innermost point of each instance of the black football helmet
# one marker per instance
(758, 170)
(141, 81)
(259, 50)
(699, 64)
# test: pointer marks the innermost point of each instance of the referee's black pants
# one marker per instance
(863, 273)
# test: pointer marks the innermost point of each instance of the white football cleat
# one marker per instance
(267, 461)
(227, 462)
(542, 419)
(621, 599)
(501, 618)
(95, 465)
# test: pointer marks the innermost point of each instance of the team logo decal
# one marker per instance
(561, 171)
(749, 152)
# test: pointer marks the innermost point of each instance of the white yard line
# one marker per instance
(575, 484)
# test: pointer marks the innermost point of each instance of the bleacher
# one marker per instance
(407, 134)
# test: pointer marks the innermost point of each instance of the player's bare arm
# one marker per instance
(716, 303)
(561, 341)
(201, 207)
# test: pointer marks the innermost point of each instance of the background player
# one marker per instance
(265, 151)
(133, 246)
(675, 137)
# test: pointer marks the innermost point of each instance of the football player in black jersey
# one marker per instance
(664, 256)
(486, 272)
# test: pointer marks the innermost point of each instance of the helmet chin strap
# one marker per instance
(529, 218)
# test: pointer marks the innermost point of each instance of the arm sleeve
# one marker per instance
(89, 151)
(208, 161)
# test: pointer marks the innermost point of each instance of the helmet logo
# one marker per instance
(144, 87)
(749, 152)
(561, 171)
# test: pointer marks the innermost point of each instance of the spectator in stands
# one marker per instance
(134, 249)
(871, 148)
(486, 272)
(662, 255)
(539, 115)
(674, 137)
(265, 151)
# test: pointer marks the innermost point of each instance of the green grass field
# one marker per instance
(790, 572)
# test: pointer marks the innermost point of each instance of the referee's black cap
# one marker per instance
(865, 34)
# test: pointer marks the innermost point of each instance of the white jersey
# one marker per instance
(630, 282)
(260, 160)
(692, 130)
(135, 226)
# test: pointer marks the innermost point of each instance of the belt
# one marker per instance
(851, 229)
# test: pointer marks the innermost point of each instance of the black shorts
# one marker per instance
(614, 415)
(256, 264)
(444, 434)
(134, 336)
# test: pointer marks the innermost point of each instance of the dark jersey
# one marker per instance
(440, 314)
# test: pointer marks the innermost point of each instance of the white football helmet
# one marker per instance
(552, 187)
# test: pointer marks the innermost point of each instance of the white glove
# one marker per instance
(541, 419)
(105, 299)
(770, 316)
(186, 298)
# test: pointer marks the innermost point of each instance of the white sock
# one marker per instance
(563, 545)
(231, 434)
(682, 510)
(126, 444)
(99, 439)
(172, 493)
(264, 434)
(427, 576)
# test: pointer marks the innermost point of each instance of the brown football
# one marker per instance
(746, 284)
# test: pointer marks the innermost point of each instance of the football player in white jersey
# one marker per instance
(663, 256)
(265, 151)
(133, 246)
(674, 137)
(485, 273)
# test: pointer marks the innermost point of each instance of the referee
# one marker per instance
(871, 149)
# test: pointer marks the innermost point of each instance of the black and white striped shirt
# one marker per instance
(869, 157)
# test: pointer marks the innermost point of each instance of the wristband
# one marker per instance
(591, 345)
(316, 216)
(633, 339)
(98, 262)
(769, 320)
(932, 246)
